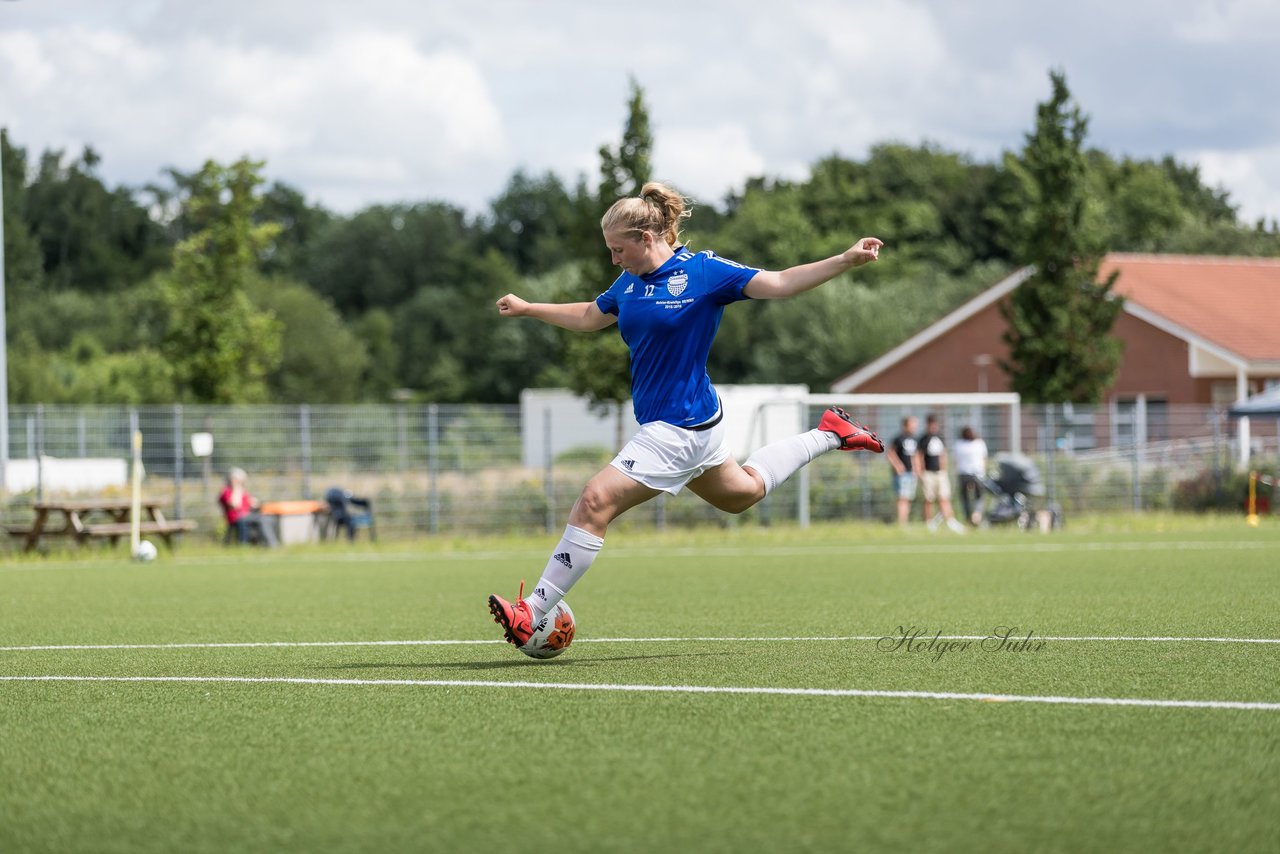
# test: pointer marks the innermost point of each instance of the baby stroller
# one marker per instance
(1018, 480)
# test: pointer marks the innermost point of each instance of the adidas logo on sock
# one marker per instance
(629, 464)
(563, 557)
(540, 592)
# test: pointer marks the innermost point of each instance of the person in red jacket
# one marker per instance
(241, 510)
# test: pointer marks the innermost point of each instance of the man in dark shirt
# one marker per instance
(902, 455)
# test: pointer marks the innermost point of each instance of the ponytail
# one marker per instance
(658, 209)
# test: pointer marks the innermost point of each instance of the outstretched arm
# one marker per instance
(768, 284)
(577, 316)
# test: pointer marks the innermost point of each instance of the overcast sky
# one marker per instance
(395, 100)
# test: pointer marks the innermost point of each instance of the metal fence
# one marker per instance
(442, 469)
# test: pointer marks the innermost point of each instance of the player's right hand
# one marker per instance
(512, 306)
(864, 251)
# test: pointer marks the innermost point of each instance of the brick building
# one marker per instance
(1199, 330)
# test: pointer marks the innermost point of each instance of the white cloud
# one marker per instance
(1253, 176)
(358, 116)
(23, 67)
(706, 162)
(418, 99)
(1228, 22)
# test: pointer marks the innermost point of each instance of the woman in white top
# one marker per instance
(970, 458)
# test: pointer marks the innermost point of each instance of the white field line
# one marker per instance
(674, 689)
(494, 641)
(940, 548)
(624, 553)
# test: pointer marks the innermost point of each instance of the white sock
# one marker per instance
(777, 462)
(569, 561)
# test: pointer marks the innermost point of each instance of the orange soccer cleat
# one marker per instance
(852, 435)
(516, 620)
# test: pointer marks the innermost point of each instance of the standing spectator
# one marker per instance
(971, 466)
(933, 476)
(903, 457)
(241, 511)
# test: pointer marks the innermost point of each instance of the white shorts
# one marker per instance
(665, 457)
(937, 486)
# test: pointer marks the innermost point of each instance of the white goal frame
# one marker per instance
(853, 402)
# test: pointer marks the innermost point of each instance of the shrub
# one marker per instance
(1219, 490)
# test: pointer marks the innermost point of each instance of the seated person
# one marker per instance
(241, 511)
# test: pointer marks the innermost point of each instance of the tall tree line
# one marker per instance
(104, 283)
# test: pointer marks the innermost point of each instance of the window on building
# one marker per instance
(1076, 432)
(1141, 417)
(1223, 392)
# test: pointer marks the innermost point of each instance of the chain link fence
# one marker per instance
(1090, 459)
(448, 470)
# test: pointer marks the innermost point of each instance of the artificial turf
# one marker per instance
(219, 766)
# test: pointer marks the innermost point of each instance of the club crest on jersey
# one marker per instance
(677, 283)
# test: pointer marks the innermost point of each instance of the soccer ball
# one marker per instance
(146, 552)
(552, 635)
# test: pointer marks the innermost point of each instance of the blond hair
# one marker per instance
(658, 209)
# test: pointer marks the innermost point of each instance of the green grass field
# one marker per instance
(385, 751)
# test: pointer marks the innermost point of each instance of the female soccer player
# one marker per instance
(667, 304)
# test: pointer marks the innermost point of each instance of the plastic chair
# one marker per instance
(349, 512)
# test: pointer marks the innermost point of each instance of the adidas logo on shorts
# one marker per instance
(629, 464)
(563, 557)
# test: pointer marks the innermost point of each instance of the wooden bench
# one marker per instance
(78, 524)
(115, 530)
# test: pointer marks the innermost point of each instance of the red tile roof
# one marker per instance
(1229, 301)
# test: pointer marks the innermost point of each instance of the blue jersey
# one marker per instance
(669, 318)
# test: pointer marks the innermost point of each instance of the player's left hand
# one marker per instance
(864, 251)
(512, 306)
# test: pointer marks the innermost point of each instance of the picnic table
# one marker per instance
(87, 519)
(300, 521)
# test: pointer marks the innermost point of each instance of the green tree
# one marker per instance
(300, 225)
(321, 360)
(771, 228)
(222, 348)
(530, 222)
(625, 169)
(31, 374)
(1060, 346)
(910, 192)
(1142, 203)
(382, 256)
(1209, 205)
(598, 366)
(124, 322)
(24, 273)
(1209, 224)
(454, 349)
(431, 336)
(91, 238)
(1224, 239)
(85, 372)
(376, 331)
